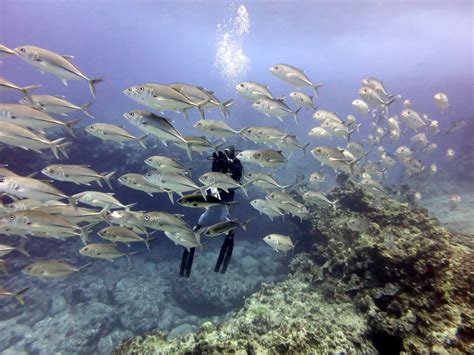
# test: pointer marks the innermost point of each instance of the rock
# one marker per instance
(181, 329)
(58, 304)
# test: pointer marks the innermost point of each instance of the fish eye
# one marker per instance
(276, 67)
(132, 114)
(318, 150)
(86, 249)
(22, 50)
(12, 217)
(146, 217)
(129, 89)
(242, 85)
(195, 204)
(141, 88)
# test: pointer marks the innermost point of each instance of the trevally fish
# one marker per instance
(78, 174)
(275, 108)
(269, 158)
(55, 104)
(376, 85)
(104, 251)
(7, 249)
(26, 116)
(263, 180)
(294, 76)
(188, 239)
(216, 128)
(164, 221)
(56, 64)
(265, 207)
(253, 91)
(303, 100)
(138, 182)
(6, 84)
(121, 234)
(199, 201)
(172, 182)
(164, 163)
(24, 138)
(100, 199)
(224, 227)
(222, 181)
(157, 126)
(114, 133)
(51, 268)
(279, 242)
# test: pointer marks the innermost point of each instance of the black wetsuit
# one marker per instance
(224, 163)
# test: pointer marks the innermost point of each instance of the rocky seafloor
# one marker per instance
(402, 285)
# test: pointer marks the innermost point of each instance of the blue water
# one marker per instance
(417, 48)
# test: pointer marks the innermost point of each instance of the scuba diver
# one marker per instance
(225, 162)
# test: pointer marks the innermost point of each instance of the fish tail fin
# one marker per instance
(366, 154)
(245, 224)
(353, 163)
(55, 146)
(170, 195)
(391, 99)
(202, 190)
(106, 178)
(315, 88)
(184, 112)
(304, 148)
(85, 109)
(22, 248)
(62, 149)
(141, 140)
(224, 107)
(72, 202)
(295, 114)
(188, 149)
(244, 188)
(84, 266)
(19, 295)
(103, 213)
(200, 107)
(128, 207)
(26, 90)
(93, 83)
(128, 255)
(70, 124)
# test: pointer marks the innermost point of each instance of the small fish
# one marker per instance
(55, 104)
(253, 91)
(407, 104)
(433, 169)
(394, 128)
(269, 158)
(266, 207)
(263, 180)
(8, 85)
(456, 126)
(430, 148)
(56, 64)
(319, 132)
(247, 156)
(317, 177)
(442, 101)
(334, 158)
(222, 181)
(121, 234)
(294, 76)
(420, 139)
(372, 97)
(279, 242)
(450, 153)
(188, 239)
(337, 128)
(303, 100)
(224, 227)
(275, 108)
(413, 119)
(372, 185)
(216, 128)
(104, 251)
(26, 139)
(199, 201)
(357, 224)
(417, 196)
(434, 126)
(138, 182)
(361, 106)
(51, 269)
(168, 164)
(78, 174)
(403, 152)
(18, 294)
(7, 249)
(318, 196)
(172, 182)
(100, 199)
(375, 84)
(114, 133)
(387, 159)
(322, 115)
(412, 165)
(455, 199)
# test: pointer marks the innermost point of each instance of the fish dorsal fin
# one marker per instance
(67, 56)
(59, 96)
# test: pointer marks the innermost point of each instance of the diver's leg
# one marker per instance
(184, 262)
(230, 247)
(221, 257)
(189, 263)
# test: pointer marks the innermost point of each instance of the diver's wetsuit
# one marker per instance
(224, 162)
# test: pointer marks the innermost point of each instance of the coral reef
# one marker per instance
(402, 284)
